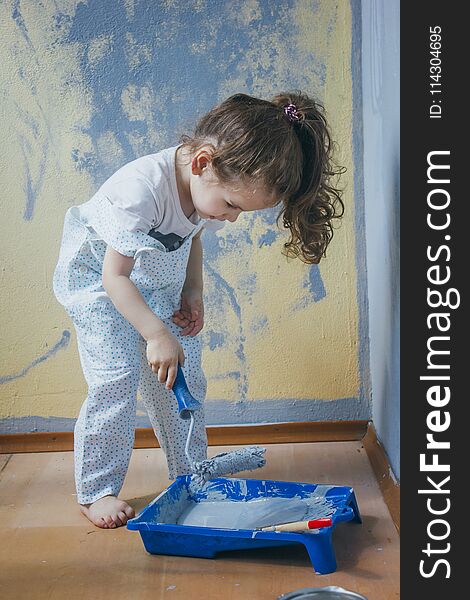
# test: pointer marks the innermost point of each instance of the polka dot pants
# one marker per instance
(114, 363)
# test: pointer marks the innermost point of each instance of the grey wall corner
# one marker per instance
(381, 138)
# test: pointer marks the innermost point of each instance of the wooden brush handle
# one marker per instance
(300, 525)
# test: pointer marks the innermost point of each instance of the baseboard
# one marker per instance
(278, 433)
(389, 487)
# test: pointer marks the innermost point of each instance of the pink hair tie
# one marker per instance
(290, 110)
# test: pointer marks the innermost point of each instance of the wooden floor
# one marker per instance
(49, 550)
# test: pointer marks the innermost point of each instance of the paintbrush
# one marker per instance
(245, 459)
(299, 526)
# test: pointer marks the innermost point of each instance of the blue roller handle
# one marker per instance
(186, 403)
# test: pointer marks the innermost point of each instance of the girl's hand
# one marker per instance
(190, 316)
(163, 355)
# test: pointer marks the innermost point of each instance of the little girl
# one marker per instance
(130, 272)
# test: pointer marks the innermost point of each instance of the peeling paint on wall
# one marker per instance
(85, 89)
(62, 343)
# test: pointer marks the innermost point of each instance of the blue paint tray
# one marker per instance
(161, 533)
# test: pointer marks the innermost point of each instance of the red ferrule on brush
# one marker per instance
(319, 523)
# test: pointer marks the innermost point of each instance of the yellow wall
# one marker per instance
(291, 340)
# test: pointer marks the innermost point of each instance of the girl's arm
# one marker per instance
(194, 268)
(190, 316)
(164, 351)
(126, 297)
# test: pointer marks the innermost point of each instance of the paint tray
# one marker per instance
(161, 533)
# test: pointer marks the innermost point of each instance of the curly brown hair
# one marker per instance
(255, 141)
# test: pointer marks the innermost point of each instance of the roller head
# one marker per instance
(227, 463)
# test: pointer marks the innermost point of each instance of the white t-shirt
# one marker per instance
(145, 197)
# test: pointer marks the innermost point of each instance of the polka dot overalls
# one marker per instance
(113, 353)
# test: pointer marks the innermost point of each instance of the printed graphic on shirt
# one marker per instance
(171, 241)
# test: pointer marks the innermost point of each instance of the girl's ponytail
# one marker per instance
(308, 212)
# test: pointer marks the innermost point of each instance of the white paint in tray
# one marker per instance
(259, 512)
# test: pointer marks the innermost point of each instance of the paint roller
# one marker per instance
(226, 463)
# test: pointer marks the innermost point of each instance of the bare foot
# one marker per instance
(108, 512)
